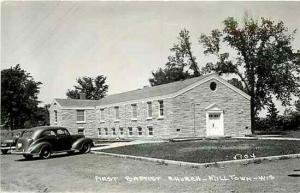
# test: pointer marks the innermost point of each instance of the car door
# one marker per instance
(64, 139)
(51, 137)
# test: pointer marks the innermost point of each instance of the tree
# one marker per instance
(261, 57)
(93, 88)
(181, 64)
(272, 113)
(297, 105)
(19, 100)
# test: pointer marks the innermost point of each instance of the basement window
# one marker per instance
(140, 131)
(150, 131)
(80, 131)
(130, 131)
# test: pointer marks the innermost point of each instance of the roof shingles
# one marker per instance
(147, 92)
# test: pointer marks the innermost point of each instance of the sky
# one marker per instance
(59, 41)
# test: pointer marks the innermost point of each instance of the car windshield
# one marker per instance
(27, 133)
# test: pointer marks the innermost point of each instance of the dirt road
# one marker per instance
(95, 173)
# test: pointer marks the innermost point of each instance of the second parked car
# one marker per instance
(44, 141)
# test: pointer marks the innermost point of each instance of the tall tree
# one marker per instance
(272, 113)
(297, 105)
(19, 100)
(261, 57)
(93, 88)
(181, 64)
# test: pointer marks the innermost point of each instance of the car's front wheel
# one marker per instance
(45, 153)
(4, 151)
(86, 148)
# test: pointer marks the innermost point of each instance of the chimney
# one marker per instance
(82, 96)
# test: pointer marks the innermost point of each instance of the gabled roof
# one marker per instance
(77, 103)
(147, 92)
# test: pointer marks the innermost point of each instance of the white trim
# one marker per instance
(52, 104)
(160, 117)
(79, 108)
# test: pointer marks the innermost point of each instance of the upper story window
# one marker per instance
(99, 131)
(161, 108)
(102, 115)
(55, 116)
(106, 131)
(149, 105)
(117, 113)
(134, 111)
(80, 116)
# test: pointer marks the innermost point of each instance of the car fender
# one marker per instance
(77, 145)
(36, 148)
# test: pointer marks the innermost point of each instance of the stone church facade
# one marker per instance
(206, 106)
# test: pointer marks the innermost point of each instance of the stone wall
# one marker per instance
(189, 114)
(184, 115)
(160, 125)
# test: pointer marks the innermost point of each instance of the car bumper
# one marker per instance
(8, 148)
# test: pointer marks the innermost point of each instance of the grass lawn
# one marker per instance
(203, 151)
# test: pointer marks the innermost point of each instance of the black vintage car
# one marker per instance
(46, 140)
(9, 140)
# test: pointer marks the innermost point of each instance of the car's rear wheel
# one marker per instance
(86, 148)
(27, 156)
(45, 153)
(4, 151)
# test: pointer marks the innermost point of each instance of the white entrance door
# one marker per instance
(214, 124)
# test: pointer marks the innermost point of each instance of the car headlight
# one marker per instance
(19, 145)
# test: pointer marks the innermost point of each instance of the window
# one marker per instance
(130, 131)
(106, 131)
(55, 116)
(150, 130)
(140, 131)
(81, 131)
(62, 132)
(161, 108)
(134, 111)
(48, 133)
(121, 131)
(80, 116)
(102, 115)
(117, 113)
(149, 104)
(99, 131)
(213, 86)
(113, 131)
